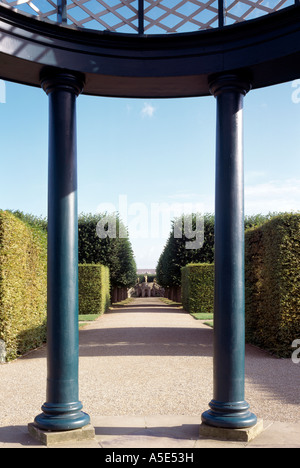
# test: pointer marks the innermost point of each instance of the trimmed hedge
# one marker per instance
(23, 285)
(114, 252)
(175, 255)
(94, 289)
(272, 285)
(272, 277)
(197, 287)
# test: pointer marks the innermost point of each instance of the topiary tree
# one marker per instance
(103, 244)
(176, 253)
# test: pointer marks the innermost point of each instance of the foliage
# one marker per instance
(175, 254)
(94, 289)
(23, 274)
(87, 317)
(23, 284)
(272, 276)
(31, 220)
(203, 315)
(259, 219)
(115, 252)
(197, 288)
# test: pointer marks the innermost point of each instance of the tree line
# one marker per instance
(175, 255)
(115, 252)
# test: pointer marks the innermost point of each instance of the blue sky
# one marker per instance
(162, 16)
(140, 156)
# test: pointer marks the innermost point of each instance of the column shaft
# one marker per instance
(62, 410)
(228, 407)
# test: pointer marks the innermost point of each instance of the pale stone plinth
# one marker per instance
(240, 435)
(52, 438)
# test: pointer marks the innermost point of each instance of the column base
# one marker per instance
(61, 417)
(238, 435)
(230, 415)
(52, 438)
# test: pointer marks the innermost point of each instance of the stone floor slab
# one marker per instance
(48, 438)
(239, 435)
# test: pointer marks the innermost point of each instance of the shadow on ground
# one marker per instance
(148, 341)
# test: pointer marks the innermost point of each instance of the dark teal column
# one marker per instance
(62, 410)
(228, 408)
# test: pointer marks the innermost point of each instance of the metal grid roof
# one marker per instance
(148, 16)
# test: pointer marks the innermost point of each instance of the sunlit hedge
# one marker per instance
(94, 289)
(23, 285)
(113, 250)
(272, 274)
(197, 287)
(272, 284)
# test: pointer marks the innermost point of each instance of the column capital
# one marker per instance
(53, 79)
(238, 82)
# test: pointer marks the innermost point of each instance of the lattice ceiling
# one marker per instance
(160, 16)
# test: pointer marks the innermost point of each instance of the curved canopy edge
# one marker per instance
(162, 66)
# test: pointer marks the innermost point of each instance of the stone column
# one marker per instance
(228, 407)
(62, 410)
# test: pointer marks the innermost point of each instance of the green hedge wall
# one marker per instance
(272, 277)
(272, 284)
(23, 285)
(94, 289)
(114, 252)
(197, 287)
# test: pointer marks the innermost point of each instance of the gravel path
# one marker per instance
(149, 359)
